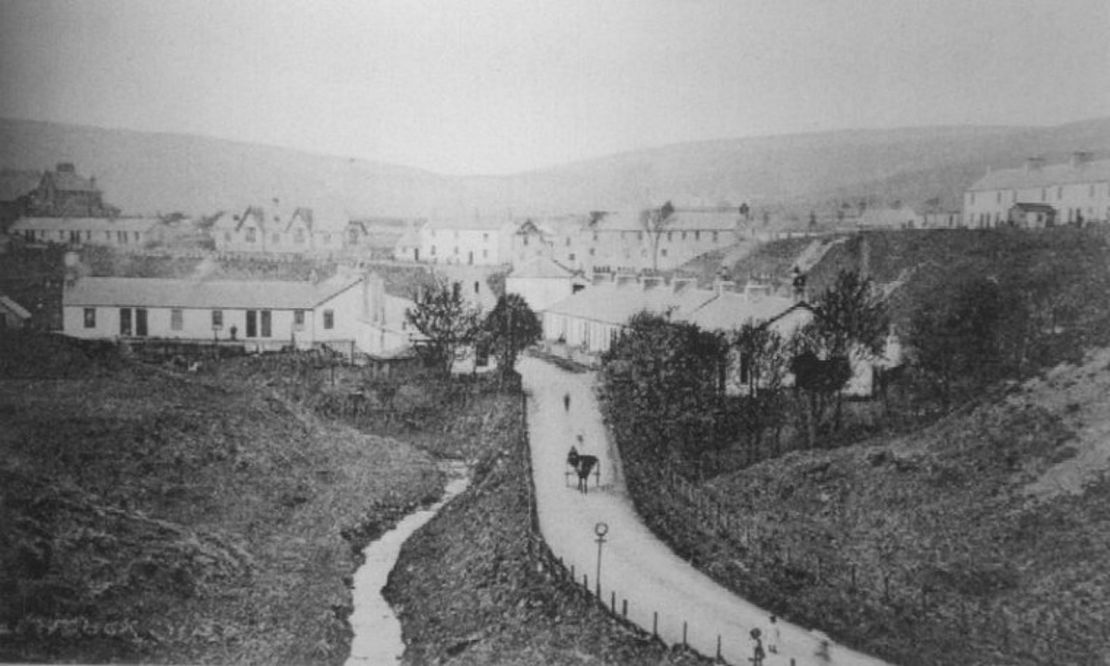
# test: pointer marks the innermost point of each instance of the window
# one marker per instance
(570, 257)
(697, 235)
(275, 238)
(252, 324)
(90, 317)
(485, 238)
(714, 236)
(266, 322)
(670, 236)
(136, 235)
(592, 252)
(1092, 193)
(595, 236)
(227, 236)
(352, 236)
(639, 235)
(1044, 194)
(329, 319)
(298, 319)
(567, 241)
(1059, 193)
(140, 322)
(177, 319)
(683, 235)
(973, 197)
(456, 249)
(485, 254)
(477, 286)
(298, 237)
(250, 235)
(998, 197)
(125, 322)
(663, 252)
(217, 319)
(525, 241)
(433, 250)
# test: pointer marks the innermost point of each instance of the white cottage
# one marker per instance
(264, 315)
(542, 282)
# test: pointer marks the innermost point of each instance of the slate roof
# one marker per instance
(616, 303)
(1046, 176)
(67, 181)
(207, 294)
(83, 224)
(467, 223)
(541, 268)
(730, 310)
(619, 221)
(1034, 207)
(700, 219)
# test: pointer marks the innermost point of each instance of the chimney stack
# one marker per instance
(1080, 158)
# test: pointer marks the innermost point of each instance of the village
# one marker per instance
(716, 333)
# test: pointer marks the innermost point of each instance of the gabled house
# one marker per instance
(249, 230)
(543, 281)
(63, 192)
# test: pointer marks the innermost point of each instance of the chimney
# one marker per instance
(1079, 158)
(1034, 164)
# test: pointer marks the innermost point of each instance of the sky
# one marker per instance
(482, 87)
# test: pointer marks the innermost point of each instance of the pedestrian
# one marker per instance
(758, 655)
(822, 652)
(566, 401)
(773, 636)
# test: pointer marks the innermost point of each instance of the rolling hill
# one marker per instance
(149, 173)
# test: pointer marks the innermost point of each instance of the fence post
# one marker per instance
(684, 633)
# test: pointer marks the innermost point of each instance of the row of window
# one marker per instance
(485, 236)
(133, 321)
(77, 236)
(1091, 188)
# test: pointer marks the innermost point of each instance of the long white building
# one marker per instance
(1040, 195)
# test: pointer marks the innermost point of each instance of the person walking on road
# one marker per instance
(758, 655)
(773, 636)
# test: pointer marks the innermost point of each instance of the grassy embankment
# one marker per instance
(160, 517)
(980, 539)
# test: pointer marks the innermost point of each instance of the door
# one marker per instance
(470, 257)
(140, 322)
(252, 323)
(125, 322)
(265, 317)
(416, 254)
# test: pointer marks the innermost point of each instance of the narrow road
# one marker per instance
(660, 587)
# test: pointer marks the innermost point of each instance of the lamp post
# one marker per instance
(600, 529)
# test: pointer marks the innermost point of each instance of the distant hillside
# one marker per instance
(147, 173)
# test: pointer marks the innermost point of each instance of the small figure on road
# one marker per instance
(773, 636)
(822, 652)
(566, 403)
(758, 655)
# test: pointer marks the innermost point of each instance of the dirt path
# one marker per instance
(659, 586)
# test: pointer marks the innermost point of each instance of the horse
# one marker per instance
(583, 465)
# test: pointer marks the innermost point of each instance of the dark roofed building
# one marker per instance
(16, 188)
(65, 193)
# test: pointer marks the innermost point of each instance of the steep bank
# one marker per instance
(162, 517)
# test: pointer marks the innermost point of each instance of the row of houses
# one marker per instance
(1038, 195)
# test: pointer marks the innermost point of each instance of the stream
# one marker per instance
(377, 631)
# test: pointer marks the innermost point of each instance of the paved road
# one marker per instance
(634, 564)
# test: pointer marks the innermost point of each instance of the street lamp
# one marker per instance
(600, 529)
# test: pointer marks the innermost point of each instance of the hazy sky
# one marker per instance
(492, 87)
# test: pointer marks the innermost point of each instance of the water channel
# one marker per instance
(377, 631)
